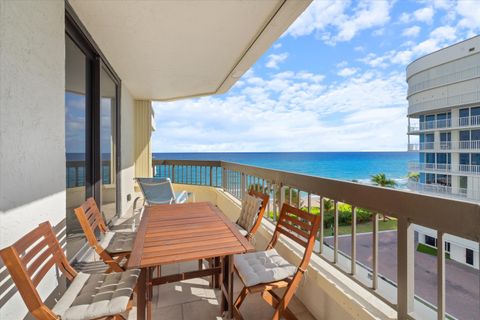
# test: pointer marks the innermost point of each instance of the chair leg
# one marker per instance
(281, 309)
(200, 264)
(241, 298)
(273, 299)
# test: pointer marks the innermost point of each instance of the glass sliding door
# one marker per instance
(91, 130)
(108, 142)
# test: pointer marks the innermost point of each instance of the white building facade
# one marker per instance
(444, 128)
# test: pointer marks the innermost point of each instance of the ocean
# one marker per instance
(358, 166)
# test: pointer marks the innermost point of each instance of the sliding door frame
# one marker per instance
(75, 29)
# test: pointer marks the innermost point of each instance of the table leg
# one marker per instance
(227, 283)
(141, 286)
(230, 286)
(149, 292)
(216, 278)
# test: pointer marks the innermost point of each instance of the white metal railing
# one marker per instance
(469, 121)
(472, 121)
(305, 191)
(468, 169)
(438, 189)
(445, 145)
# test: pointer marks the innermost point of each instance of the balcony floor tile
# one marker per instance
(194, 299)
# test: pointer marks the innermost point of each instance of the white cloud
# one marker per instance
(470, 13)
(368, 15)
(347, 72)
(323, 15)
(342, 64)
(289, 112)
(277, 46)
(275, 59)
(424, 15)
(411, 32)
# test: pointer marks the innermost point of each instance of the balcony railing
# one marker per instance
(438, 189)
(76, 173)
(472, 121)
(407, 207)
(445, 145)
(468, 169)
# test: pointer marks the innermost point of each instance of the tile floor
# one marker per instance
(195, 300)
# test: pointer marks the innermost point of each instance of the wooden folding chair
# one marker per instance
(258, 220)
(91, 296)
(265, 271)
(119, 244)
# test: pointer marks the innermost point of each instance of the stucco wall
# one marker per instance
(32, 133)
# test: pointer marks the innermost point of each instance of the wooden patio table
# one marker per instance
(173, 233)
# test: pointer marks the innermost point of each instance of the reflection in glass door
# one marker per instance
(108, 113)
(76, 110)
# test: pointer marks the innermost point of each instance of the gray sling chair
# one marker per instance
(160, 191)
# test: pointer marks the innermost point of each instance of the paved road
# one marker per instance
(462, 282)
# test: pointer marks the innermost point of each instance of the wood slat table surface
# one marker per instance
(184, 232)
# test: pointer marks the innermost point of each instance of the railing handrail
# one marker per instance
(428, 210)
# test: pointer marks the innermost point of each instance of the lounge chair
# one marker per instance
(160, 191)
(114, 248)
(264, 271)
(89, 296)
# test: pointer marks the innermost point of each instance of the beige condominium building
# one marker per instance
(444, 128)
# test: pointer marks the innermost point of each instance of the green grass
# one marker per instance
(390, 224)
(429, 250)
(364, 227)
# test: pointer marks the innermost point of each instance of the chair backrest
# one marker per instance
(156, 190)
(261, 212)
(90, 219)
(29, 259)
(300, 226)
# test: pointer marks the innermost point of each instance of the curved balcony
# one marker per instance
(459, 169)
(464, 122)
(445, 145)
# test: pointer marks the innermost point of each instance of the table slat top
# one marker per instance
(172, 233)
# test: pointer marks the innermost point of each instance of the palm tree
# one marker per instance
(381, 180)
(414, 176)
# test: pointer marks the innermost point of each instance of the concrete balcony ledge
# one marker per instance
(326, 292)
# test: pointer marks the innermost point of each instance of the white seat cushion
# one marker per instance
(250, 208)
(118, 242)
(92, 296)
(242, 231)
(263, 267)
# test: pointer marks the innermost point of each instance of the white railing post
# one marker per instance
(354, 241)
(375, 251)
(405, 272)
(320, 230)
(242, 187)
(335, 233)
(440, 276)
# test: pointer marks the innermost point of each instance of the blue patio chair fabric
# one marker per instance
(160, 191)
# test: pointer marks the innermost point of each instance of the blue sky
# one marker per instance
(335, 81)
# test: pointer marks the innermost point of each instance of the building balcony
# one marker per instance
(447, 124)
(460, 146)
(438, 189)
(458, 169)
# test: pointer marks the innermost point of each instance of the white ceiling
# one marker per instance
(164, 50)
